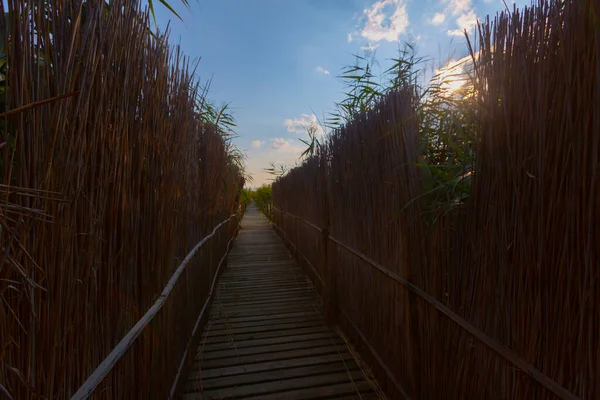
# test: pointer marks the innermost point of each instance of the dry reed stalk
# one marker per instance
(518, 261)
(131, 179)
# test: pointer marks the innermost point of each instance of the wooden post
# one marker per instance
(296, 239)
(329, 293)
(328, 257)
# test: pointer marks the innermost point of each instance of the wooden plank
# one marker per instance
(275, 293)
(269, 366)
(265, 342)
(259, 244)
(233, 305)
(239, 352)
(271, 279)
(262, 251)
(224, 324)
(259, 273)
(257, 291)
(283, 385)
(310, 297)
(257, 277)
(240, 299)
(263, 286)
(263, 265)
(258, 295)
(262, 309)
(278, 374)
(267, 279)
(265, 335)
(245, 249)
(265, 328)
(368, 395)
(262, 317)
(285, 302)
(352, 389)
(267, 242)
(264, 274)
(272, 291)
(266, 259)
(282, 355)
(264, 269)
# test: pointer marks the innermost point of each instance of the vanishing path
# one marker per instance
(266, 337)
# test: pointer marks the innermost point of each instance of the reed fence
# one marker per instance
(499, 296)
(109, 179)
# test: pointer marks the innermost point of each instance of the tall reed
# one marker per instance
(506, 296)
(103, 193)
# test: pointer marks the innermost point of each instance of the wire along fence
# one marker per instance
(109, 179)
(497, 296)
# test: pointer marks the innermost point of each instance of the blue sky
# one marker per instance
(276, 61)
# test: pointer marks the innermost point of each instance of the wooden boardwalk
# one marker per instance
(266, 337)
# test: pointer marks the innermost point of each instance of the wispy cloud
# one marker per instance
(257, 143)
(464, 13)
(466, 21)
(370, 47)
(350, 37)
(302, 124)
(438, 19)
(457, 7)
(322, 70)
(279, 143)
(385, 20)
(284, 146)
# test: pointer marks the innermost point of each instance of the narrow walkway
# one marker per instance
(266, 338)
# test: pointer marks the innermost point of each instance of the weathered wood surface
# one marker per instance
(266, 337)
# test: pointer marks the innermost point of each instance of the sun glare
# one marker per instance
(453, 77)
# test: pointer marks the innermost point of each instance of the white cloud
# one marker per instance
(350, 38)
(457, 7)
(465, 16)
(322, 70)
(380, 25)
(467, 21)
(438, 19)
(257, 143)
(302, 124)
(284, 146)
(279, 143)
